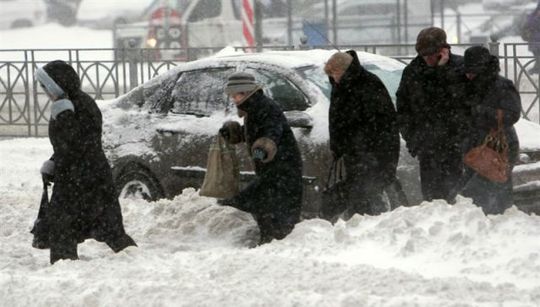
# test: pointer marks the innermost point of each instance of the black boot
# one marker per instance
(64, 250)
(121, 243)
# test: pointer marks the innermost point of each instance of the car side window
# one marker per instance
(281, 90)
(201, 92)
(157, 95)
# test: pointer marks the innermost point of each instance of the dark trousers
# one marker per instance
(272, 227)
(365, 186)
(492, 197)
(439, 176)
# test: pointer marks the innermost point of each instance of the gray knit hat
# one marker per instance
(241, 82)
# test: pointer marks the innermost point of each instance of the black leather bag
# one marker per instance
(41, 224)
(334, 196)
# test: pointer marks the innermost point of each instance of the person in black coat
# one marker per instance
(363, 131)
(431, 114)
(274, 198)
(488, 92)
(83, 203)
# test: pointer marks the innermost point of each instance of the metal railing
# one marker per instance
(109, 73)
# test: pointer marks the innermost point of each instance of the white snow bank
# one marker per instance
(194, 253)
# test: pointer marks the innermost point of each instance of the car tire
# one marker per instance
(138, 183)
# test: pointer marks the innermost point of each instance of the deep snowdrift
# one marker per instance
(193, 252)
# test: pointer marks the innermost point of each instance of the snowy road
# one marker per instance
(194, 253)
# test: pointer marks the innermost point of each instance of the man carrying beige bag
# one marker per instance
(274, 198)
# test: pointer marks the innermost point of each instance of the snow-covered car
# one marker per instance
(21, 13)
(157, 136)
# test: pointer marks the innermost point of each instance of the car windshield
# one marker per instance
(316, 75)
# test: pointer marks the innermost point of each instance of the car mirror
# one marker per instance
(299, 119)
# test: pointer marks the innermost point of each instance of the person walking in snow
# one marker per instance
(488, 92)
(363, 132)
(83, 203)
(274, 197)
(431, 112)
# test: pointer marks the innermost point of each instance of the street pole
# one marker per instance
(289, 23)
(326, 18)
(334, 21)
(258, 25)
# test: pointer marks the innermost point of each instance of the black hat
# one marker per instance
(477, 59)
(430, 40)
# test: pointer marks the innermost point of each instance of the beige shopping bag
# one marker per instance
(222, 177)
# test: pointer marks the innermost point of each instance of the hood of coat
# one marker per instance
(64, 76)
(354, 71)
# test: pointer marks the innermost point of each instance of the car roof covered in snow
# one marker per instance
(287, 59)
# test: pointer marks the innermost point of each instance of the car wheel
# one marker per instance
(138, 183)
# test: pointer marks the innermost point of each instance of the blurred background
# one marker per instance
(217, 23)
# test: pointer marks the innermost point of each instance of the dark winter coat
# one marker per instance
(363, 122)
(83, 203)
(275, 195)
(430, 107)
(486, 94)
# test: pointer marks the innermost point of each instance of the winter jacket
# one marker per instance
(484, 99)
(363, 122)
(430, 106)
(276, 191)
(486, 96)
(83, 203)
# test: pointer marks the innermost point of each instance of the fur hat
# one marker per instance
(477, 59)
(241, 82)
(431, 40)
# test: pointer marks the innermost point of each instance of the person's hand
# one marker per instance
(224, 132)
(232, 132)
(259, 154)
(444, 55)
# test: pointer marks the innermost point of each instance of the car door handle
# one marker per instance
(167, 132)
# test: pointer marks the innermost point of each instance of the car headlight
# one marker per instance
(151, 42)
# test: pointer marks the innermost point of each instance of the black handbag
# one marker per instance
(334, 196)
(41, 224)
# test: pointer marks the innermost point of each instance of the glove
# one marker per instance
(232, 132)
(259, 154)
(47, 172)
(224, 132)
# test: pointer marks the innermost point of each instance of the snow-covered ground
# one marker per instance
(194, 253)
